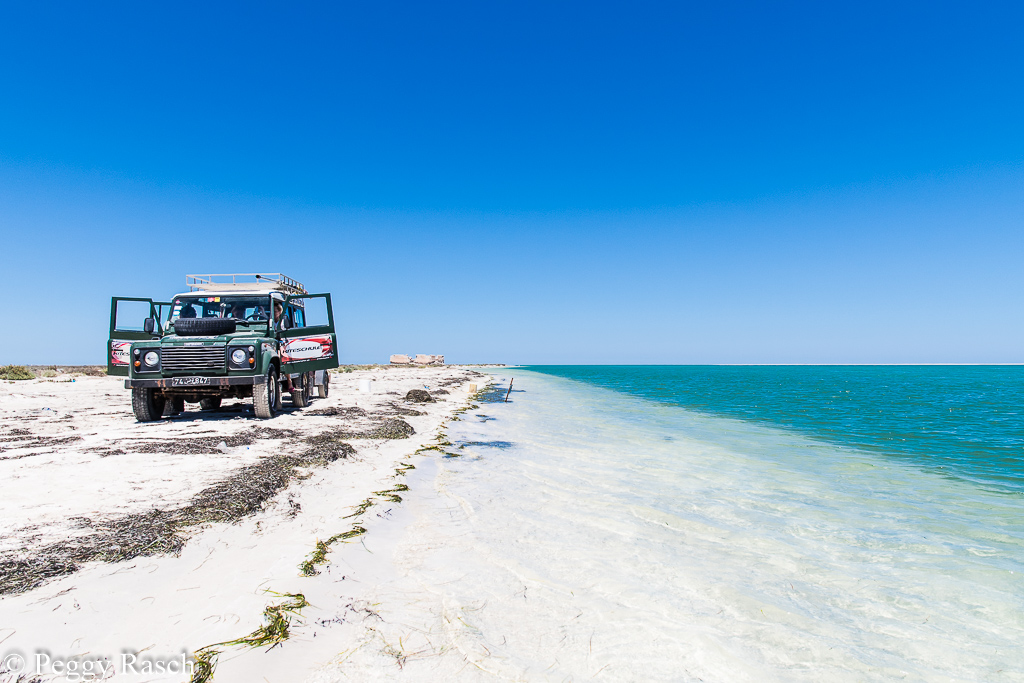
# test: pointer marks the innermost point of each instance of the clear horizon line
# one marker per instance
(767, 364)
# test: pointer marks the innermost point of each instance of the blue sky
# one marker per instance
(528, 183)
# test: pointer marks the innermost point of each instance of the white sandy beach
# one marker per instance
(72, 458)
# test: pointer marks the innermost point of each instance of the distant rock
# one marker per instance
(418, 359)
(419, 396)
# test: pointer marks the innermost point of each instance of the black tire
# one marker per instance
(325, 388)
(210, 403)
(147, 404)
(279, 406)
(174, 406)
(303, 394)
(201, 327)
(266, 396)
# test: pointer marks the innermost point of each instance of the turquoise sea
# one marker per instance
(687, 523)
(962, 421)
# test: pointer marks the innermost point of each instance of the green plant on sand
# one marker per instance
(319, 556)
(278, 620)
(15, 372)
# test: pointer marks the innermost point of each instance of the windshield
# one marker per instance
(244, 309)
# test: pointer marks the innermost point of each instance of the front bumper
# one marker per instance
(191, 382)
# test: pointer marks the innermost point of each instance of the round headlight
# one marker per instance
(151, 358)
(238, 356)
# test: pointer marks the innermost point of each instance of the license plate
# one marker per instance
(189, 381)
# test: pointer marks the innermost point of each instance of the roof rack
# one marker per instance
(244, 281)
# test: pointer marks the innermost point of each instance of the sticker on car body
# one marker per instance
(307, 348)
(120, 352)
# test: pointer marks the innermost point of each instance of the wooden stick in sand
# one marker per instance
(511, 379)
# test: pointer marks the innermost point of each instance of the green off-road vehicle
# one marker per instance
(229, 336)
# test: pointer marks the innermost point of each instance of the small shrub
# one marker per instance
(15, 372)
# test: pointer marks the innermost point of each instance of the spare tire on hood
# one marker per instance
(202, 327)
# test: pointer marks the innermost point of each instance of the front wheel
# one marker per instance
(147, 404)
(266, 396)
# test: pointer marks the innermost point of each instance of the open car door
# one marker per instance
(163, 313)
(313, 346)
(127, 320)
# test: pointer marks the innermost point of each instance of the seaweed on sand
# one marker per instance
(405, 412)
(419, 396)
(327, 447)
(439, 445)
(21, 441)
(193, 445)
(392, 494)
(164, 531)
(274, 631)
(319, 554)
(344, 411)
(394, 428)
(469, 406)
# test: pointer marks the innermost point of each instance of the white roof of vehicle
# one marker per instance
(234, 292)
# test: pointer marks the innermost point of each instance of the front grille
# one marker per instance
(193, 358)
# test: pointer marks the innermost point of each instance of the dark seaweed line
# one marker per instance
(164, 531)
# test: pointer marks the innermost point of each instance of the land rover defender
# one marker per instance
(229, 336)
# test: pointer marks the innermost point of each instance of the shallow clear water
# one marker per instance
(582, 532)
(967, 420)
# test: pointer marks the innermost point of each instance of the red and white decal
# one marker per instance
(120, 352)
(307, 348)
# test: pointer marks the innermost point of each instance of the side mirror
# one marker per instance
(149, 326)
